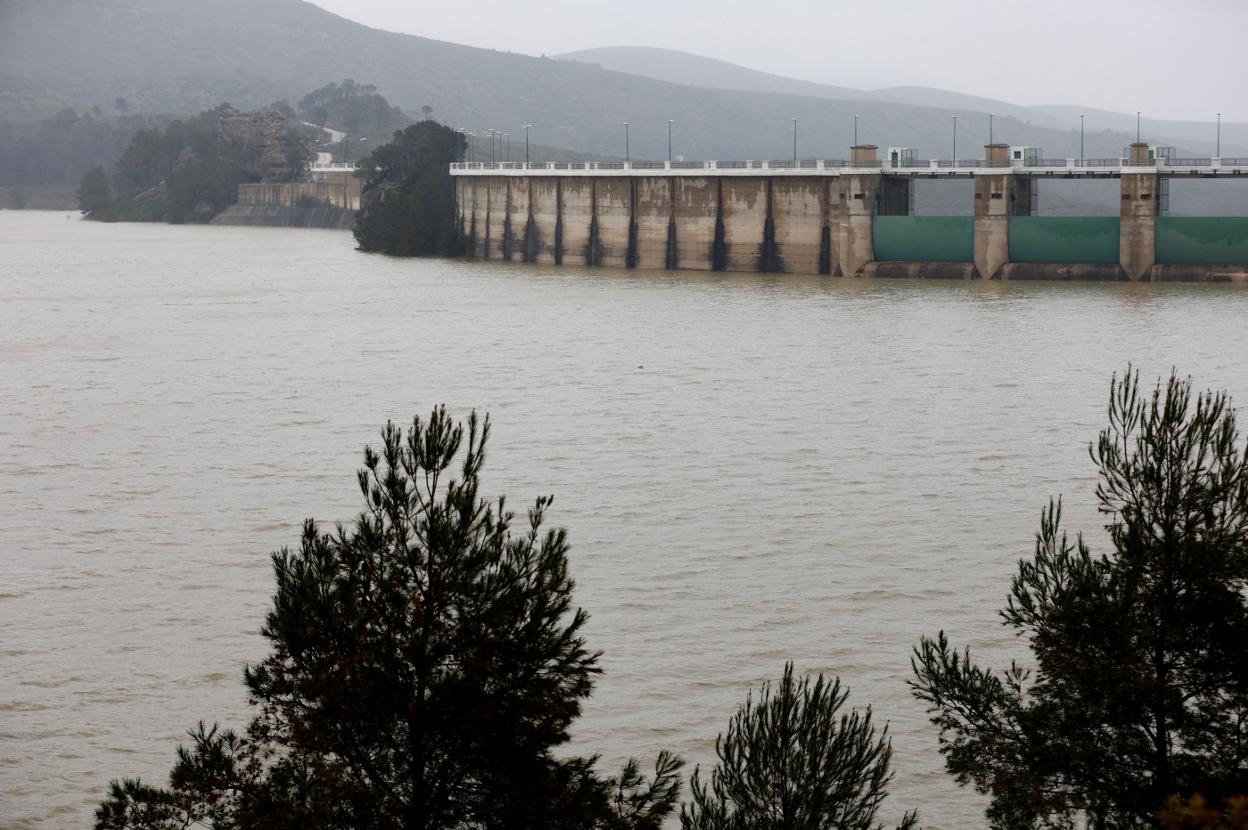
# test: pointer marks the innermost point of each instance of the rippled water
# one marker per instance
(753, 469)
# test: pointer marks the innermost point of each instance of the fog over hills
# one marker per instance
(181, 56)
(696, 70)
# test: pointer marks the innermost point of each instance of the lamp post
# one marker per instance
(507, 138)
(1219, 135)
(795, 142)
(1137, 126)
(491, 146)
(626, 155)
(990, 115)
(526, 144)
(1081, 141)
(955, 141)
(669, 140)
(855, 131)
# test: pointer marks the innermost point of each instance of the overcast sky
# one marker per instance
(1169, 58)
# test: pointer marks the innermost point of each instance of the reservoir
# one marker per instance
(753, 468)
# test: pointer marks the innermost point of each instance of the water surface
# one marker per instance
(753, 469)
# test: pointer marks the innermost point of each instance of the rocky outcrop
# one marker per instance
(278, 154)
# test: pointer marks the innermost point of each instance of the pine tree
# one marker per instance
(409, 195)
(1140, 688)
(795, 761)
(94, 195)
(425, 663)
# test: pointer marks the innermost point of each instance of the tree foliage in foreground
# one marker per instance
(408, 205)
(795, 761)
(425, 662)
(1140, 687)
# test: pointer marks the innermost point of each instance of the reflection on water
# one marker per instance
(752, 468)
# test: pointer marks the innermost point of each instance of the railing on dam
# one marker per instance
(936, 167)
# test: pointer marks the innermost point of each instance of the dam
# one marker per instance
(850, 218)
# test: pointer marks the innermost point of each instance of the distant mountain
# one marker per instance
(183, 56)
(695, 70)
(1201, 136)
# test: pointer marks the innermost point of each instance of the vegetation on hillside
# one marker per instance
(352, 108)
(187, 54)
(408, 206)
(60, 149)
(1139, 696)
(190, 170)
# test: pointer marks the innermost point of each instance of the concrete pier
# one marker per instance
(696, 214)
(799, 212)
(745, 218)
(1138, 239)
(820, 217)
(654, 224)
(852, 222)
(577, 199)
(613, 212)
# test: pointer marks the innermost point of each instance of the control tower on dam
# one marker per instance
(850, 218)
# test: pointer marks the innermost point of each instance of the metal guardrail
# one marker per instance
(1161, 163)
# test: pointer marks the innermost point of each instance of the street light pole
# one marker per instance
(669, 140)
(526, 144)
(855, 131)
(990, 115)
(794, 142)
(491, 146)
(955, 141)
(626, 155)
(507, 138)
(1219, 135)
(1081, 139)
(1137, 126)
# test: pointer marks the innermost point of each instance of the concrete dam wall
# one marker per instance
(329, 202)
(850, 221)
(277, 216)
(702, 223)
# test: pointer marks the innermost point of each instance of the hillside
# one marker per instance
(695, 70)
(684, 68)
(187, 55)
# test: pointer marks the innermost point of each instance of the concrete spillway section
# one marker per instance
(826, 218)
